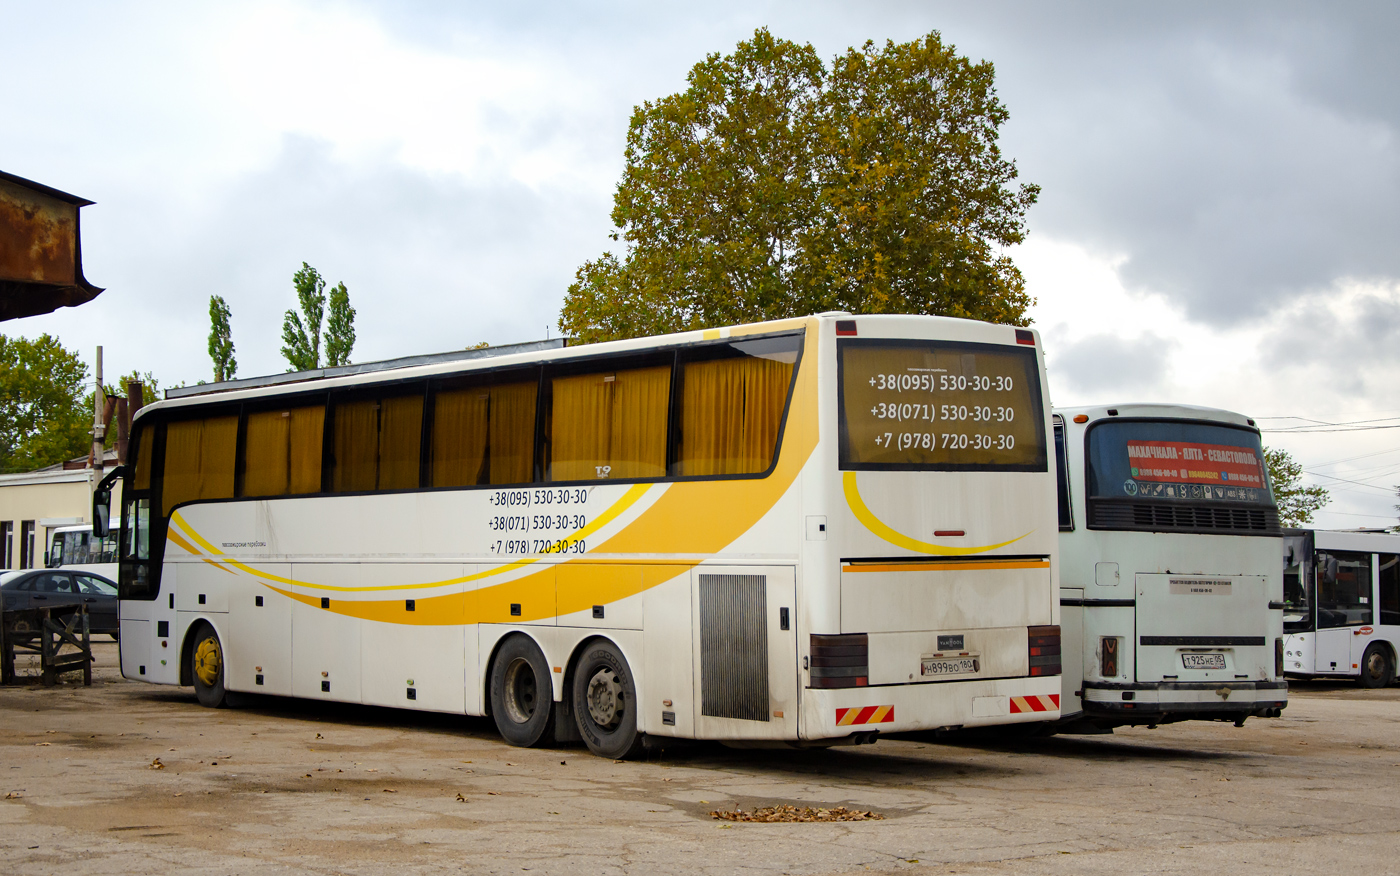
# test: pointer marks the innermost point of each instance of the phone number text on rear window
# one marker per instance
(939, 406)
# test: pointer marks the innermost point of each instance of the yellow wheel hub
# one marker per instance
(208, 662)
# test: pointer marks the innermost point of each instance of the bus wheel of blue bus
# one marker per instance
(605, 702)
(521, 700)
(207, 668)
(1376, 670)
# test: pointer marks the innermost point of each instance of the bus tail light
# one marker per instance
(840, 661)
(1278, 658)
(1108, 659)
(1043, 644)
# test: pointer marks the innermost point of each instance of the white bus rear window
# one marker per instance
(911, 405)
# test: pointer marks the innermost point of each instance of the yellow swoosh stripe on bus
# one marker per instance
(628, 499)
(899, 539)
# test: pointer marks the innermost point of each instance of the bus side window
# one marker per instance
(377, 442)
(731, 408)
(484, 434)
(1062, 479)
(1390, 588)
(609, 425)
(199, 460)
(282, 451)
(1343, 589)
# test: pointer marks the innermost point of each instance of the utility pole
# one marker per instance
(99, 428)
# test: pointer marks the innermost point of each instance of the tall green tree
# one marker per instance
(221, 340)
(340, 327)
(1296, 502)
(775, 186)
(45, 415)
(301, 332)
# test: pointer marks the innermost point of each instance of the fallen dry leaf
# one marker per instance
(494, 793)
(13, 795)
(157, 765)
(390, 791)
(785, 813)
(460, 798)
(43, 743)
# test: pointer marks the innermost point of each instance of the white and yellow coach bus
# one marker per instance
(806, 531)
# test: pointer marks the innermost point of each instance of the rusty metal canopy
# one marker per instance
(41, 259)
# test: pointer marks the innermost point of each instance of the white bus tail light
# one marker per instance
(840, 661)
(1043, 646)
(1109, 659)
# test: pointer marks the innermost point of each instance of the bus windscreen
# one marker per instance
(909, 405)
(1179, 461)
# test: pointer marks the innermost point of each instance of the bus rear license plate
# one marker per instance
(948, 666)
(1203, 661)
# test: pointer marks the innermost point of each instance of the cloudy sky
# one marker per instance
(1218, 223)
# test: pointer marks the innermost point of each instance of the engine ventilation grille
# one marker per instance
(734, 647)
(1171, 517)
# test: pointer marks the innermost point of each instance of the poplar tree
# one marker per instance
(302, 332)
(221, 340)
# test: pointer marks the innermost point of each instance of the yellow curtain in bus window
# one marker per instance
(199, 457)
(282, 451)
(484, 435)
(377, 444)
(610, 425)
(731, 410)
(921, 404)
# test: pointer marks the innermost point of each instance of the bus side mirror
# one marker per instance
(102, 503)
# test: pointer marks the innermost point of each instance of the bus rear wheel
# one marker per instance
(207, 668)
(521, 700)
(605, 702)
(1376, 670)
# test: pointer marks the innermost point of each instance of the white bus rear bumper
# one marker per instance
(901, 708)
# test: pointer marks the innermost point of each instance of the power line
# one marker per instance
(1315, 474)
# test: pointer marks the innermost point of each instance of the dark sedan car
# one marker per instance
(37, 588)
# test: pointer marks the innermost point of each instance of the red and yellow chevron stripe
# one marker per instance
(1046, 703)
(865, 715)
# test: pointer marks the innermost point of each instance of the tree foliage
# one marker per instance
(301, 332)
(340, 327)
(221, 340)
(774, 187)
(1296, 502)
(45, 415)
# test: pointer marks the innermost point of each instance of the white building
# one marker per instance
(33, 503)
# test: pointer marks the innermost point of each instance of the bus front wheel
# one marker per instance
(522, 702)
(207, 668)
(605, 702)
(1376, 669)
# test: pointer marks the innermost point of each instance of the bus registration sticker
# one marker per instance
(938, 666)
(1203, 661)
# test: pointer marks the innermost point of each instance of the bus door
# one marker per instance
(1202, 627)
(746, 652)
(1344, 608)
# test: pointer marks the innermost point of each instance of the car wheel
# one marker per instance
(1376, 670)
(522, 702)
(605, 702)
(207, 668)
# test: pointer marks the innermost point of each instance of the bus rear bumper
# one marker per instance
(1164, 702)
(902, 708)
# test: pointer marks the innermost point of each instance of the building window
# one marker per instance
(7, 545)
(26, 544)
